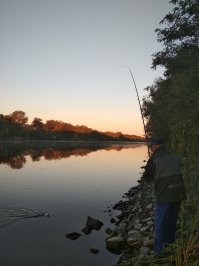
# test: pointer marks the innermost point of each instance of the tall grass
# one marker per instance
(186, 248)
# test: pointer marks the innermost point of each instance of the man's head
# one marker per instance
(156, 143)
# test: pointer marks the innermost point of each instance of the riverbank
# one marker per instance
(133, 233)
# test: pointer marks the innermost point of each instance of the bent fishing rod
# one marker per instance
(144, 126)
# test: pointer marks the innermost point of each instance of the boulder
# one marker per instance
(92, 224)
(109, 231)
(144, 229)
(113, 220)
(133, 232)
(73, 235)
(94, 250)
(149, 206)
(135, 240)
(115, 243)
(146, 220)
(137, 226)
(150, 223)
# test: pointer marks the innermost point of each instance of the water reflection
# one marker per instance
(70, 181)
(14, 154)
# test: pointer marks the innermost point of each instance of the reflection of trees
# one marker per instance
(35, 155)
(16, 162)
(15, 155)
(60, 154)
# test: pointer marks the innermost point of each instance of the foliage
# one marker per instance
(13, 127)
(37, 123)
(180, 31)
(19, 117)
(174, 102)
(171, 110)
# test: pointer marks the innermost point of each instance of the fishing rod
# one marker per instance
(144, 126)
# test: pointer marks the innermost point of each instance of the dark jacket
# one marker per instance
(164, 170)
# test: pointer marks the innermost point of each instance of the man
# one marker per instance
(164, 170)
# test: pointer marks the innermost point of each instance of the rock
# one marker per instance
(135, 240)
(145, 220)
(149, 206)
(114, 243)
(144, 229)
(112, 220)
(133, 232)
(137, 221)
(92, 224)
(120, 216)
(131, 217)
(137, 226)
(109, 231)
(122, 226)
(73, 235)
(150, 223)
(94, 250)
(127, 250)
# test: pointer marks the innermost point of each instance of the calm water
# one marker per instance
(69, 182)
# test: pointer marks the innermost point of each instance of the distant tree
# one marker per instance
(6, 118)
(82, 129)
(37, 123)
(54, 125)
(19, 117)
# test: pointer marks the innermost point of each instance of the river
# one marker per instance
(69, 182)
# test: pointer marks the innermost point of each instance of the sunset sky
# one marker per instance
(61, 59)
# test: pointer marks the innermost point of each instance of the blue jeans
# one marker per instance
(166, 215)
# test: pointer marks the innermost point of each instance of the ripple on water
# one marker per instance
(8, 216)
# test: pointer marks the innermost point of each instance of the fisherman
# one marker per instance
(164, 170)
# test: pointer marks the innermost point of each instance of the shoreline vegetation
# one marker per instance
(171, 111)
(36, 141)
(15, 127)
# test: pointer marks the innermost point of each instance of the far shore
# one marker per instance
(73, 141)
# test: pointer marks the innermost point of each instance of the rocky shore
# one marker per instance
(133, 235)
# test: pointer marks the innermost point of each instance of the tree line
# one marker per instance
(171, 110)
(14, 127)
(172, 105)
